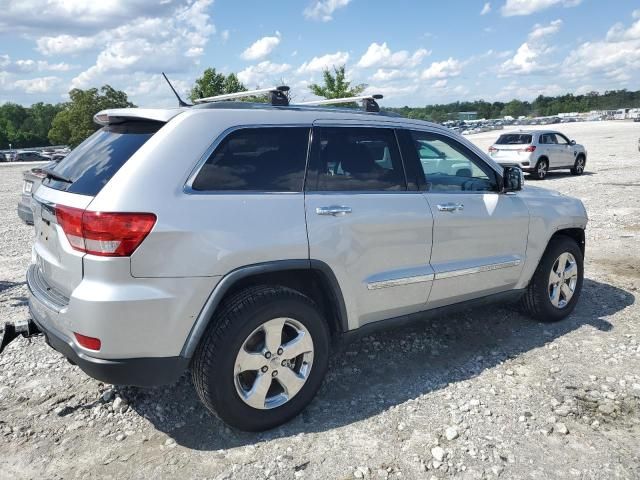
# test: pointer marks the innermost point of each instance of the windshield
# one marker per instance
(92, 163)
(514, 139)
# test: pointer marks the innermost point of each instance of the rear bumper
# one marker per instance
(25, 213)
(143, 372)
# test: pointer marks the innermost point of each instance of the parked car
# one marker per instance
(538, 151)
(29, 156)
(31, 180)
(277, 230)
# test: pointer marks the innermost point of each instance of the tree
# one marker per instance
(212, 83)
(74, 123)
(336, 86)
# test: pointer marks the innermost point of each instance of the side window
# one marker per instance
(355, 159)
(449, 166)
(269, 159)
(560, 139)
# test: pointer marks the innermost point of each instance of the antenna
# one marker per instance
(277, 96)
(181, 102)
(369, 103)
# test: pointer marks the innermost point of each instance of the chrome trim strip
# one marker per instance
(482, 268)
(396, 282)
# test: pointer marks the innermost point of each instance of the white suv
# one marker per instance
(236, 240)
(539, 151)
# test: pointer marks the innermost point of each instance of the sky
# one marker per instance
(413, 52)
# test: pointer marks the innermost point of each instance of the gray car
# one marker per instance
(238, 240)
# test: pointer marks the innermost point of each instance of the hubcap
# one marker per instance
(562, 280)
(542, 169)
(580, 166)
(273, 363)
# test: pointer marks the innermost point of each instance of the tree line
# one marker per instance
(69, 123)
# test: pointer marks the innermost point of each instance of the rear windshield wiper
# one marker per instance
(56, 176)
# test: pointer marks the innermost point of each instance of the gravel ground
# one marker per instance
(482, 394)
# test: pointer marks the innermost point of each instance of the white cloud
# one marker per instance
(37, 85)
(441, 83)
(27, 66)
(4, 60)
(381, 56)
(65, 44)
(323, 9)
(533, 55)
(540, 31)
(261, 48)
(151, 44)
(263, 73)
(382, 75)
(224, 36)
(318, 64)
(486, 9)
(445, 69)
(527, 7)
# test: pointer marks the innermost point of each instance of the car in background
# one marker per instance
(538, 151)
(29, 156)
(31, 180)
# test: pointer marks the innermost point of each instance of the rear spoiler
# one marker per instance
(120, 115)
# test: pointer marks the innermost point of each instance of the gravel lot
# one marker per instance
(482, 394)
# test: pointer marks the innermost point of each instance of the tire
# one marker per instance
(541, 170)
(537, 301)
(240, 322)
(578, 166)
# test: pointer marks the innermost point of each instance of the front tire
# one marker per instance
(578, 166)
(239, 378)
(556, 284)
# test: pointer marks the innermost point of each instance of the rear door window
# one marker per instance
(96, 160)
(355, 159)
(267, 159)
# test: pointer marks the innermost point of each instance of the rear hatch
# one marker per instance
(69, 188)
(511, 147)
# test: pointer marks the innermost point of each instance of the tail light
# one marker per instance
(102, 233)
(492, 149)
(530, 148)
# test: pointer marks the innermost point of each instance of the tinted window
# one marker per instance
(355, 159)
(560, 139)
(450, 166)
(514, 139)
(270, 159)
(548, 139)
(92, 163)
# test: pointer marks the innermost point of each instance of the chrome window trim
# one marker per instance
(479, 269)
(396, 282)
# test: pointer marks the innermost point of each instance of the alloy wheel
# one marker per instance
(274, 363)
(563, 280)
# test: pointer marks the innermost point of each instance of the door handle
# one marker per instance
(450, 207)
(334, 210)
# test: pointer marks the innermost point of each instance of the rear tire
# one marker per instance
(578, 166)
(541, 170)
(551, 297)
(239, 379)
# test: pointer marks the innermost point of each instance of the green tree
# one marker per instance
(336, 85)
(212, 83)
(75, 122)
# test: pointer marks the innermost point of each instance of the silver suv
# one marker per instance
(237, 240)
(538, 151)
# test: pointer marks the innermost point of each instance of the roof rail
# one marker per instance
(277, 96)
(369, 103)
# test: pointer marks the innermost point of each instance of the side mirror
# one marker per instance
(573, 142)
(512, 179)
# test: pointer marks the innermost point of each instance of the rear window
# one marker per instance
(92, 163)
(267, 159)
(514, 139)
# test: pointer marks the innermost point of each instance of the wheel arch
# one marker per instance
(576, 234)
(310, 277)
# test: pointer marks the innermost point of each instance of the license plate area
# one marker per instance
(27, 186)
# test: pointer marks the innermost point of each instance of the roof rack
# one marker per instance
(369, 103)
(277, 96)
